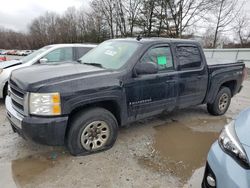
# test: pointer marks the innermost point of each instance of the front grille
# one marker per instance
(17, 97)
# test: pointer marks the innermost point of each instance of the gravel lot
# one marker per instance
(168, 150)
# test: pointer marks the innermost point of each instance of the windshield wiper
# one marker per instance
(94, 64)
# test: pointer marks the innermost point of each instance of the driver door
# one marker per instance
(150, 94)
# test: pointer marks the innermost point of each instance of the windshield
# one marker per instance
(34, 54)
(110, 54)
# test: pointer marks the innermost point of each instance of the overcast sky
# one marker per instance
(17, 14)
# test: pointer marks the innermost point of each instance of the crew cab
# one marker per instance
(118, 82)
(48, 54)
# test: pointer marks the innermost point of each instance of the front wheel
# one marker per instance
(221, 102)
(91, 131)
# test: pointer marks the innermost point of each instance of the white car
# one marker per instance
(23, 52)
(56, 53)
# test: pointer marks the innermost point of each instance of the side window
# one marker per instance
(61, 54)
(66, 54)
(161, 56)
(189, 57)
(81, 51)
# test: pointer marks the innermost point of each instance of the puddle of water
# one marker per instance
(26, 170)
(181, 148)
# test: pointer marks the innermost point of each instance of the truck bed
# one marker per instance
(216, 64)
(218, 61)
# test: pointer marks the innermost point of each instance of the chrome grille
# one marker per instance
(17, 97)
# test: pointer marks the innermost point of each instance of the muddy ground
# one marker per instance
(168, 150)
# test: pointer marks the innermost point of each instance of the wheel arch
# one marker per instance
(214, 89)
(110, 105)
(231, 84)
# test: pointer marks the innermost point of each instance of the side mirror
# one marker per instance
(43, 60)
(146, 68)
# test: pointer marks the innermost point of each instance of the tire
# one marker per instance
(221, 103)
(97, 126)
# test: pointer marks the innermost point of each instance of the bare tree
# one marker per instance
(242, 29)
(185, 13)
(121, 20)
(132, 8)
(69, 25)
(224, 13)
(45, 29)
(146, 20)
(207, 38)
(107, 9)
(10, 39)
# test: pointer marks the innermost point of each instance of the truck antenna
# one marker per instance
(138, 37)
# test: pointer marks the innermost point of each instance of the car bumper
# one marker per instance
(228, 173)
(43, 130)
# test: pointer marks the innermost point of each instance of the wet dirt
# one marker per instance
(26, 170)
(181, 147)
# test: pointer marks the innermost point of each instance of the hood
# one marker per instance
(242, 127)
(39, 75)
(7, 64)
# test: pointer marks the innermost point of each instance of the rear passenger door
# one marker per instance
(193, 77)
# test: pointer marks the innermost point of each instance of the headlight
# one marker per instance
(230, 143)
(45, 104)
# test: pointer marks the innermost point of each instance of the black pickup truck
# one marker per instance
(81, 105)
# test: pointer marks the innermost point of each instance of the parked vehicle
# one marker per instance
(48, 54)
(4, 52)
(120, 81)
(228, 159)
(23, 52)
(11, 52)
(3, 58)
(20, 52)
(27, 52)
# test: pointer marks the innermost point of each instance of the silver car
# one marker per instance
(48, 54)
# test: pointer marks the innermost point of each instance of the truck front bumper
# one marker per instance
(43, 130)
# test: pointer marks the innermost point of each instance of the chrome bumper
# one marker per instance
(14, 117)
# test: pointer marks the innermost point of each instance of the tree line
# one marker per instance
(107, 19)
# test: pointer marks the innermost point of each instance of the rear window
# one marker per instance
(81, 51)
(189, 57)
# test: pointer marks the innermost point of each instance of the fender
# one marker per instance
(215, 86)
(116, 97)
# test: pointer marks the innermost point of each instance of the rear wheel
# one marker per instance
(91, 131)
(221, 102)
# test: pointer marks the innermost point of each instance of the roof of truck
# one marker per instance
(157, 39)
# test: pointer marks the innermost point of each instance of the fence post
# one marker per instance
(236, 58)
